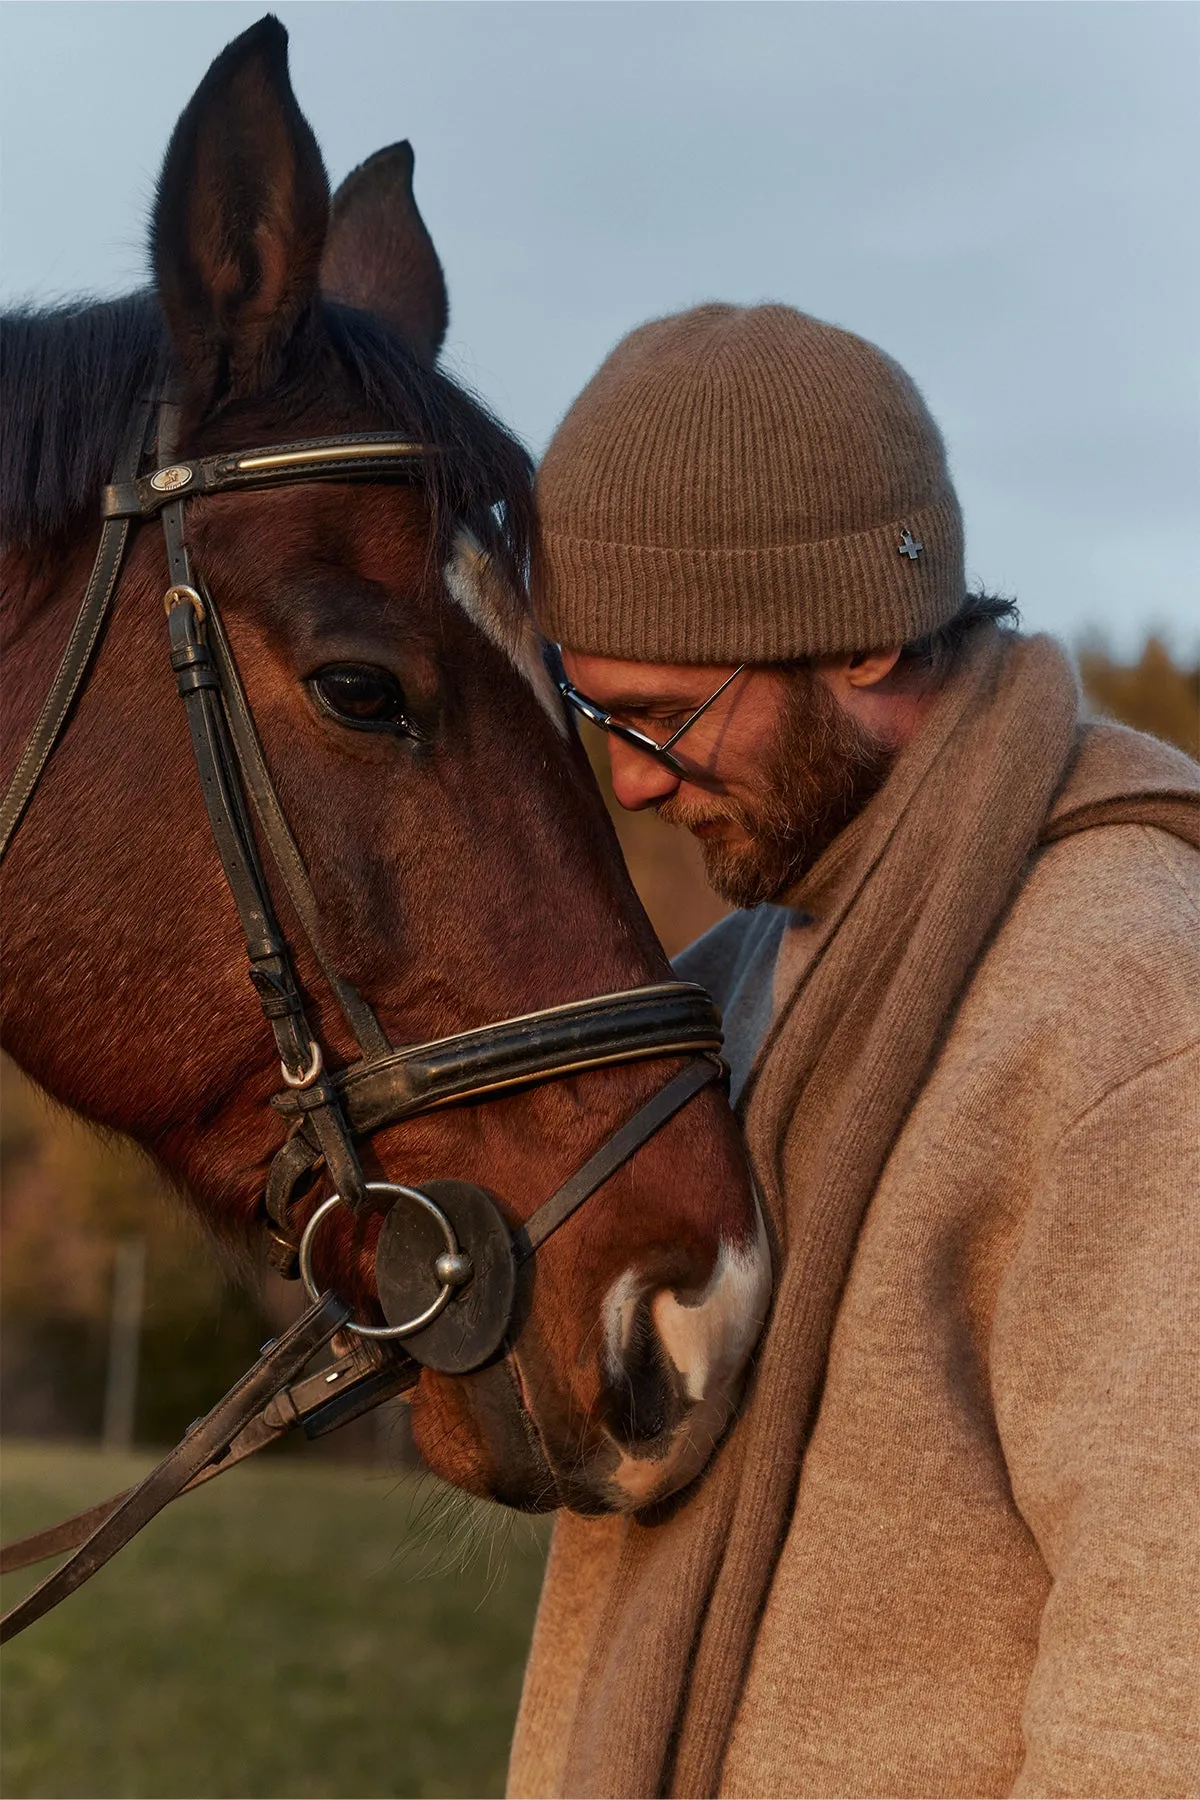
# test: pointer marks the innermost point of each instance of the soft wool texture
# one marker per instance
(727, 460)
(951, 1545)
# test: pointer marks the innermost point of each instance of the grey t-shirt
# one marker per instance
(735, 961)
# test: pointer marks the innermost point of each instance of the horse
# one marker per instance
(452, 840)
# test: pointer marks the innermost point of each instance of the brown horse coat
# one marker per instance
(979, 1574)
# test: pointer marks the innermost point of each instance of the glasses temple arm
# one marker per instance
(688, 723)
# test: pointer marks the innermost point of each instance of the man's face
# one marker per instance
(773, 770)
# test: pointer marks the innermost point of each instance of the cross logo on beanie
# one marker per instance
(909, 545)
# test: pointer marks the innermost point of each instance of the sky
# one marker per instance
(1002, 194)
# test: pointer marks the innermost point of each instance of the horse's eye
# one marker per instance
(361, 695)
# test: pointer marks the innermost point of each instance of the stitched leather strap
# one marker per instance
(285, 852)
(79, 652)
(669, 1018)
(205, 1443)
(199, 683)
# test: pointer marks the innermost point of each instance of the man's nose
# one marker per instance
(638, 780)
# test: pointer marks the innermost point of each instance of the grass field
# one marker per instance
(297, 1628)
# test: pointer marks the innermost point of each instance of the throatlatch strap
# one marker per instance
(80, 649)
(285, 852)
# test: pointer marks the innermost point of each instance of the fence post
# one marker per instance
(120, 1391)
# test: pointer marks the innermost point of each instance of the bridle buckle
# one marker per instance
(311, 1073)
(180, 594)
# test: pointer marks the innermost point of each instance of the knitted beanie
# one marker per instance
(745, 484)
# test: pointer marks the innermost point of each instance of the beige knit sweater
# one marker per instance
(991, 1580)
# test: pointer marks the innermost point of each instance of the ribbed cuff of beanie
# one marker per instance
(654, 603)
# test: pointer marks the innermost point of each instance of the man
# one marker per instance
(951, 1546)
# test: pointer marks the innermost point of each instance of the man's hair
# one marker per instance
(933, 656)
(936, 653)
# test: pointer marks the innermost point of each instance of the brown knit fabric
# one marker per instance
(906, 898)
(735, 485)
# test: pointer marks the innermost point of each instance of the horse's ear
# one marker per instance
(240, 221)
(379, 256)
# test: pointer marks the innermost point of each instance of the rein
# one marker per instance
(446, 1264)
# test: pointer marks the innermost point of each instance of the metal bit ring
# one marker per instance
(452, 1261)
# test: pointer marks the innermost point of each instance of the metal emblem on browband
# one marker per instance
(316, 459)
(166, 481)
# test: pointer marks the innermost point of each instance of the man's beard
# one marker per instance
(819, 771)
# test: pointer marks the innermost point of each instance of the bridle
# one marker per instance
(446, 1263)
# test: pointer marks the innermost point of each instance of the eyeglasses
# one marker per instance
(629, 734)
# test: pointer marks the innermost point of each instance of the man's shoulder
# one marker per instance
(1126, 884)
(1094, 973)
(1098, 956)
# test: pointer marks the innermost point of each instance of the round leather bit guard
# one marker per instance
(471, 1326)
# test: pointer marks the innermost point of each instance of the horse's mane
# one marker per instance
(72, 374)
(70, 377)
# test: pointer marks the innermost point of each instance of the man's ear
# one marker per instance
(239, 221)
(379, 255)
(867, 668)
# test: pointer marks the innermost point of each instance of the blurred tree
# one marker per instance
(1154, 694)
(67, 1196)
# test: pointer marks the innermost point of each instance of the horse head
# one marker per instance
(461, 859)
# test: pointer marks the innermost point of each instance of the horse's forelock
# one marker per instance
(72, 375)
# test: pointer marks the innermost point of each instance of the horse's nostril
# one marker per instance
(642, 1400)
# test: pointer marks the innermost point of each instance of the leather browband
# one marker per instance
(356, 456)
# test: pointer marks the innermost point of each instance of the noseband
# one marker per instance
(447, 1262)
